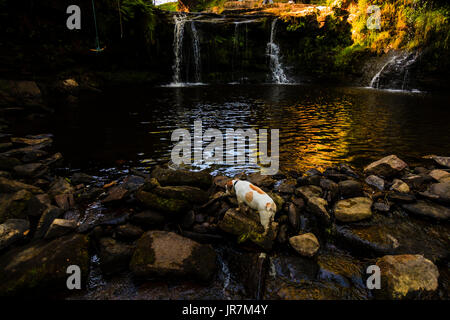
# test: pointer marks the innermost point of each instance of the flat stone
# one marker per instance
(10, 186)
(400, 186)
(13, 230)
(401, 197)
(171, 177)
(31, 142)
(407, 276)
(260, 180)
(42, 265)
(440, 175)
(428, 209)
(30, 169)
(305, 244)
(386, 167)
(353, 209)
(60, 227)
(375, 181)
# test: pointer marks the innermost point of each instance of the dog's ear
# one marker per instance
(230, 184)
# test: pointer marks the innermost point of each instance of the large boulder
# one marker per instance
(167, 254)
(42, 265)
(15, 205)
(386, 167)
(13, 230)
(171, 177)
(305, 244)
(353, 209)
(187, 193)
(407, 276)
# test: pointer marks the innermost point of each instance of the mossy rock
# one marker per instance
(167, 254)
(158, 203)
(246, 228)
(14, 206)
(169, 177)
(41, 266)
(188, 193)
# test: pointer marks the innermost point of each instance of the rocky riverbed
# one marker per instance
(165, 233)
(171, 233)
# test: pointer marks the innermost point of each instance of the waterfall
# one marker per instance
(179, 64)
(196, 50)
(273, 51)
(394, 74)
(178, 33)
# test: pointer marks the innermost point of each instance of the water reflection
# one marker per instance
(318, 126)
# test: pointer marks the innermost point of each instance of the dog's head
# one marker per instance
(229, 187)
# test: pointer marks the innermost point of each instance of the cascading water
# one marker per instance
(239, 55)
(273, 51)
(196, 50)
(395, 72)
(178, 33)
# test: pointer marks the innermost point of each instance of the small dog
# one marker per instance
(255, 198)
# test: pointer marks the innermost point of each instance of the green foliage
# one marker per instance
(203, 5)
(169, 6)
(140, 10)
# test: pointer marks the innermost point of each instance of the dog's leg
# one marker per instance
(265, 217)
(241, 207)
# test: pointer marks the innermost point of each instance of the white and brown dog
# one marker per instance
(255, 198)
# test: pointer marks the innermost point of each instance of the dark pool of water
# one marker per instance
(318, 126)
